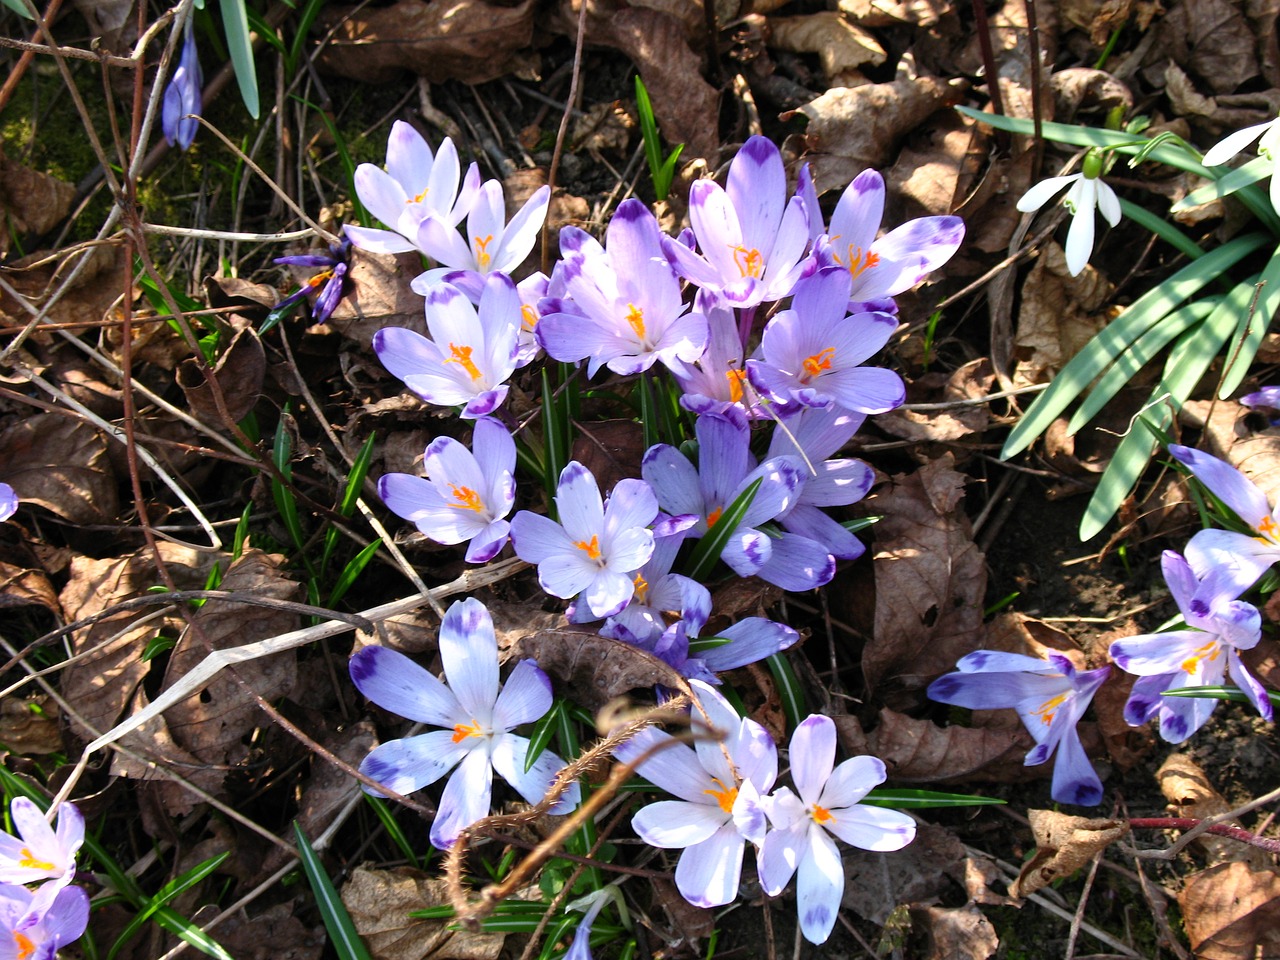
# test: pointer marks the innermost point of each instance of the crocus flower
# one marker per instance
(801, 842)
(1268, 148)
(1087, 192)
(329, 281)
(1229, 563)
(477, 717)
(41, 853)
(813, 353)
(416, 186)
(493, 245)
(592, 904)
(181, 104)
(719, 784)
(465, 496)
(1198, 656)
(1268, 397)
(1050, 696)
(885, 266)
(597, 547)
(716, 381)
(658, 590)
(629, 310)
(750, 640)
(8, 502)
(30, 930)
(470, 354)
(752, 239)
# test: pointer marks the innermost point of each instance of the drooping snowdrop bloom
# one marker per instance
(832, 483)
(813, 353)
(1268, 137)
(32, 930)
(801, 842)
(597, 547)
(8, 502)
(471, 352)
(417, 185)
(1050, 696)
(629, 310)
(465, 496)
(719, 784)
(182, 97)
(1088, 191)
(492, 246)
(330, 281)
(883, 266)
(1201, 655)
(753, 241)
(39, 852)
(1229, 563)
(477, 715)
(725, 470)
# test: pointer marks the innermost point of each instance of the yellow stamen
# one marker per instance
(29, 861)
(725, 796)
(592, 549)
(1212, 650)
(642, 589)
(25, 947)
(462, 357)
(419, 198)
(483, 257)
(713, 516)
(735, 378)
(1267, 528)
(860, 261)
(528, 316)
(461, 731)
(320, 279)
(821, 814)
(750, 262)
(635, 318)
(467, 498)
(1049, 709)
(815, 364)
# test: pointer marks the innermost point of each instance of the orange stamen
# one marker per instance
(1267, 528)
(25, 947)
(29, 861)
(713, 516)
(419, 198)
(528, 316)
(483, 257)
(642, 589)
(635, 318)
(725, 796)
(592, 549)
(815, 364)
(320, 279)
(821, 814)
(467, 498)
(1049, 709)
(1212, 650)
(462, 731)
(750, 263)
(860, 262)
(735, 378)
(462, 357)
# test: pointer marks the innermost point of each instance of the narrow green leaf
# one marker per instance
(156, 646)
(166, 893)
(355, 479)
(709, 548)
(242, 533)
(554, 430)
(702, 644)
(1259, 168)
(389, 823)
(1220, 693)
(543, 731)
(1119, 335)
(1162, 228)
(862, 523)
(923, 799)
(789, 691)
(18, 7)
(235, 23)
(648, 413)
(355, 566)
(342, 932)
(1254, 322)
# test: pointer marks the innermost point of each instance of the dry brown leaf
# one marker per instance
(274, 934)
(936, 174)
(379, 902)
(611, 450)
(690, 923)
(1098, 17)
(840, 44)
(470, 40)
(30, 202)
(954, 933)
(238, 375)
(969, 382)
(25, 587)
(1211, 39)
(378, 295)
(1190, 794)
(595, 669)
(213, 723)
(853, 128)
(930, 579)
(1232, 912)
(891, 13)
(95, 289)
(1059, 315)
(1063, 845)
(603, 127)
(30, 727)
(917, 751)
(61, 464)
(1227, 435)
(1078, 88)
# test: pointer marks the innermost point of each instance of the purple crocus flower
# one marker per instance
(717, 380)
(813, 353)
(658, 590)
(628, 307)
(465, 496)
(477, 715)
(1198, 656)
(719, 784)
(597, 547)
(493, 244)
(725, 470)
(580, 948)
(801, 843)
(330, 281)
(42, 853)
(181, 104)
(885, 266)
(35, 926)
(1268, 397)
(1229, 563)
(750, 640)
(752, 239)
(417, 185)
(470, 354)
(8, 502)
(1050, 696)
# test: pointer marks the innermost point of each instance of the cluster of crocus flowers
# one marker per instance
(35, 924)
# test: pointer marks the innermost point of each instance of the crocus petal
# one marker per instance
(415, 762)
(381, 193)
(672, 767)
(465, 799)
(780, 856)
(608, 592)
(1246, 681)
(377, 241)
(753, 639)
(672, 824)
(522, 232)
(488, 543)
(1074, 779)
(995, 690)
(851, 781)
(797, 564)
(396, 683)
(469, 652)
(708, 872)
(537, 538)
(819, 886)
(871, 828)
(509, 756)
(8, 502)
(1226, 483)
(808, 521)
(525, 697)
(673, 479)
(405, 352)
(579, 503)
(1227, 562)
(813, 752)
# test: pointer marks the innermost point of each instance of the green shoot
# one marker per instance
(661, 170)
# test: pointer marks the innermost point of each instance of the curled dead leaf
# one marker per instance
(1063, 845)
(61, 464)
(378, 295)
(969, 382)
(1232, 912)
(840, 44)
(953, 933)
(238, 374)
(30, 727)
(596, 669)
(30, 202)
(919, 751)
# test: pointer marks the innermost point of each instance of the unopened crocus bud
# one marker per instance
(182, 97)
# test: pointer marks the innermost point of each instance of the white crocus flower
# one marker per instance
(1088, 191)
(1268, 148)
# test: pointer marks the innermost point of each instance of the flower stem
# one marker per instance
(1217, 829)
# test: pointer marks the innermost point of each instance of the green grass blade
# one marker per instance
(18, 7)
(166, 893)
(389, 823)
(555, 436)
(1220, 693)
(355, 566)
(789, 690)
(543, 731)
(235, 23)
(355, 479)
(1254, 321)
(709, 548)
(342, 932)
(1259, 168)
(1162, 228)
(1119, 335)
(924, 799)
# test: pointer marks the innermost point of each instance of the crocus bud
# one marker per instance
(182, 97)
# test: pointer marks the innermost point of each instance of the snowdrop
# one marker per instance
(1087, 192)
(477, 716)
(1268, 137)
